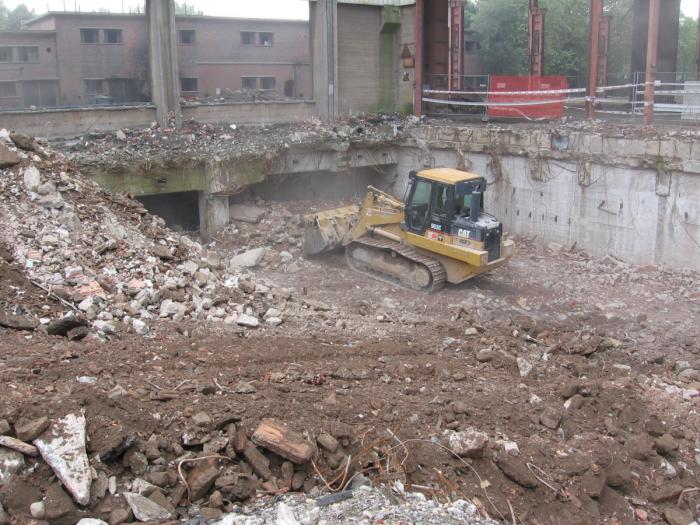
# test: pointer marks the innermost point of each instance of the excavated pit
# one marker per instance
(567, 383)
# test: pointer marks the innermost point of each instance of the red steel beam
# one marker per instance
(652, 50)
(603, 50)
(418, 58)
(456, 44)
(593, 56)
(535, 46)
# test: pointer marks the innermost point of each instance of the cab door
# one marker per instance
(418, 206)
(441, 207)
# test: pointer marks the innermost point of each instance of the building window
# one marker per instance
(247, 38)
(89, 36)
(28, 54)
(266, 39)
(249, 82)
(113, 36)
(268, 82)
(185, 36)
(188, 85)
(8, 89)
(5, 54)
(93, 86)
(471, 46)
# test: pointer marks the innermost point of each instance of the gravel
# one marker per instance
(368, 505)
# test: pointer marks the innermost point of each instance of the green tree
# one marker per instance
(11, 19)
(687, 39)
(502, 27)
(187, 8)
(566, 38)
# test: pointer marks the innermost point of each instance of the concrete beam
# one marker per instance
(323, 30)
(162, 47)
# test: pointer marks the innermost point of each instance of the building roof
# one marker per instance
(447, 175)
(51, 14)
(380, 3)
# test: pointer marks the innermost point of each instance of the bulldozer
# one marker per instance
(439, 234)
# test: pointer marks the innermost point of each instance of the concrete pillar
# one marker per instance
(213, 213)
(323, 29)
(162, 47)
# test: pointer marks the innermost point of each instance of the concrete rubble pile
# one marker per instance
(214, 467)
(195, 142)
(113, 265)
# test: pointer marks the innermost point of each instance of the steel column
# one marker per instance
(418, 57)
(456, 63)
(593, 56)
(652, 49)
(535, 46)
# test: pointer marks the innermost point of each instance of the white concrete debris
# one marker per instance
(19, 446)
(91, 521)
(145, 509)
(468, 443)
(285, 515)
(32, 178)
(248, 320)
(11, 462)
(63, 448)
(524, 366)
(140, 327)
(245, 213)
(248, 259)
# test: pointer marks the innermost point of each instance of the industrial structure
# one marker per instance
(69, 58)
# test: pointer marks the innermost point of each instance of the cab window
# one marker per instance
(441, 200)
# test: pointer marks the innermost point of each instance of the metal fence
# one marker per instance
(676, 98)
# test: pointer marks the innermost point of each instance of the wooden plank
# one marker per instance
(277, 438)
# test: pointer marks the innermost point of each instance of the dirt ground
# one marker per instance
(588, 365)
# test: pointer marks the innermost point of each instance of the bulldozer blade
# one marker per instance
(325, 230)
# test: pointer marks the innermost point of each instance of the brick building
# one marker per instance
(64, 58)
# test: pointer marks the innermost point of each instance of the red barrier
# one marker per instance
(550, 110)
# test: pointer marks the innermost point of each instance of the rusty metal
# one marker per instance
(652, 50)
(603, 48)
(456, 63)
(418, 56)
(593, 57)
(535, 48)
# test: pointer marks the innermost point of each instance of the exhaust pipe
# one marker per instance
(475, 206)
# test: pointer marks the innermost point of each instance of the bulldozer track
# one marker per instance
(437, 271)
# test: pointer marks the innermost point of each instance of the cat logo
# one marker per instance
(463, 233)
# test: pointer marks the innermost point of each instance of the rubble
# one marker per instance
(63, 448)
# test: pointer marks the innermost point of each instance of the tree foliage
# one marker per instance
(187, 8)
(502, 27)
(11, 19)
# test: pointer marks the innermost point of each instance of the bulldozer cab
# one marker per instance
(438, 198)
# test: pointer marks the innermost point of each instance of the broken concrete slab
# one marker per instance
(248, 259)
(18, 322)
(8, 157)
(19, 446)
(63, 448)
(245, 213)
(32, 178)
(11, 462)
(283, 441)
(31, 430)
(144, 509)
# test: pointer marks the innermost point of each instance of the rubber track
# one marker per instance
(437, 271)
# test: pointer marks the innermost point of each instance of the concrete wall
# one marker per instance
(636, 199)
(358, 58)
(73, 122)
(44, 70)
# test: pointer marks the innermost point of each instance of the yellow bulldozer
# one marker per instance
(440, 233)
